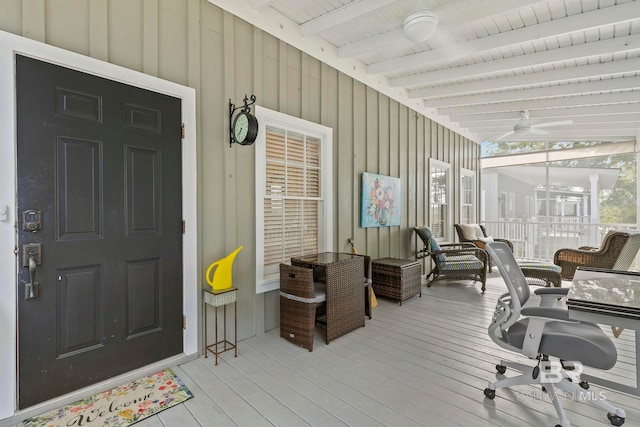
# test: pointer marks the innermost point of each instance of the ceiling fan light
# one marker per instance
(420, 25)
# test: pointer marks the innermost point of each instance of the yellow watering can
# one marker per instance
(222, 278)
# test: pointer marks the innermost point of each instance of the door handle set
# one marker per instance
(32, 258)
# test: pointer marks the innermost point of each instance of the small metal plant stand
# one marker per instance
(221, 298)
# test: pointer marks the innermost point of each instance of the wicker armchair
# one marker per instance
(300, 299)
(617, 252)
(452, 260)
(477, 234)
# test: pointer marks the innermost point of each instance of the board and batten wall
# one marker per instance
(196, 44)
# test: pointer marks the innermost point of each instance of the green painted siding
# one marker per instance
(194, 43)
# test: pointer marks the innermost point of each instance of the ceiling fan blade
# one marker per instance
(505, 135)
(538, 131)
(556, 123)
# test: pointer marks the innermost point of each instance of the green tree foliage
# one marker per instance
(620, 204)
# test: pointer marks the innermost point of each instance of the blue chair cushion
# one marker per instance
(433, 243)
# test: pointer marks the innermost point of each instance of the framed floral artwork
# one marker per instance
(380, 204)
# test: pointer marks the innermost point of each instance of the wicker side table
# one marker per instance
(221, 299)
(395, 278)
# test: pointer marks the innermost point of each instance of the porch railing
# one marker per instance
(540, 239)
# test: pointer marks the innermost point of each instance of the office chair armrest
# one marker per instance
(549, 313)
(552, 291)
(551, 297)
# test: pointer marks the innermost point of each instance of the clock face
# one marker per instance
(241, 127)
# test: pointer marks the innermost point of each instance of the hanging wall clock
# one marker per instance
(244, 127)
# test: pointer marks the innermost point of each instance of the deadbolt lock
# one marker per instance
(32, 220)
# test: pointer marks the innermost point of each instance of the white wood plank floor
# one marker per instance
(425, 363)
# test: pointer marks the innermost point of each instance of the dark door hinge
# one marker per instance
(184, 226)
(182, 131)
(184, 321)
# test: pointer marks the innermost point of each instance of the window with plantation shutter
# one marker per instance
(293, 180)
(439, 199)
(468, 196)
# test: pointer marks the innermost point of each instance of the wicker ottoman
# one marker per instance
(395, 278)
(543, 274)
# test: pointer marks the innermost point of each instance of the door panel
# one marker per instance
(143, 291)
(80, 314)
(143, 191)
(79, 196)
(102, 161)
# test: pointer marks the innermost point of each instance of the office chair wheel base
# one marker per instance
(501, 369)
(491, 394)
(615, 420)
(584, 385)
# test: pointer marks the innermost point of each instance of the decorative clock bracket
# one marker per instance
(232, 109)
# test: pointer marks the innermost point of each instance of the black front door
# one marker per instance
(99, 229)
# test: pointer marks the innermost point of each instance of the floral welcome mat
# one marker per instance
(121, 406)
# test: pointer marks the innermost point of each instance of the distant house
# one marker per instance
(518, 194)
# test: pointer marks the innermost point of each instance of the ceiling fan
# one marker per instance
(531, 126)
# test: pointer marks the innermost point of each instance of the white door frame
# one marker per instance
(10, 45)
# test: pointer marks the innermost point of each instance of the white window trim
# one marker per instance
(433, 163)
(472, 174)
(267, 117)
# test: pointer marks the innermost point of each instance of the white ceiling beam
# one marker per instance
(573, 89)
(341, 15)
(371, 43)
(580, 131)
(558, 136)
(258, 4)
(615, 139)
(480, 114)
(544, 77)
(580, 22)
(599, 127)
(565, 154)
(587, 136)
(562, 102)
(506, 125)
(477, 11)
(559, 55)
